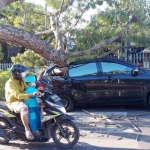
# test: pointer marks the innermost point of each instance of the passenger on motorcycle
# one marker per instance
(33, 103)
(14, 94)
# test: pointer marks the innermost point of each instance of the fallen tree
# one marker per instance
(32, 41)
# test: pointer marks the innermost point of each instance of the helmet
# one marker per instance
(16, 69)
(30, 78)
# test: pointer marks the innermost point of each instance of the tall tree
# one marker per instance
(105, 24)
(32, 41)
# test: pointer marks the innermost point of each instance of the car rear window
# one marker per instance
(83, 70)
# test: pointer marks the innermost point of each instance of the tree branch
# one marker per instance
(36, 32)
(114, 50)
(105, 42)
(78, 18)
(65, 7)
(44, 32)
(29, 27)
(61, 9)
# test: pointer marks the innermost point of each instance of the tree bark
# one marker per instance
(30, 41)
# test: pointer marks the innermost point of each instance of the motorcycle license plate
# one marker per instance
(55, 98)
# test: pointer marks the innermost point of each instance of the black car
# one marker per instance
(101, 81)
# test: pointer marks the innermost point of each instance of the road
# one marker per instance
(109, 128)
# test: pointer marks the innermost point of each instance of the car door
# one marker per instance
(84, 82)
(119, 85)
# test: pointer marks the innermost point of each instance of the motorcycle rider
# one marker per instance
(14, 94)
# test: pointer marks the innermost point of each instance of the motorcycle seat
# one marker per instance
(4, 106)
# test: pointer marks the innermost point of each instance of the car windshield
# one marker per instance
(83, 70)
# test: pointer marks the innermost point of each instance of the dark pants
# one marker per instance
(34, 118)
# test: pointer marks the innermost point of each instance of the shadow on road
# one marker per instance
(52, 146)
(115, 108)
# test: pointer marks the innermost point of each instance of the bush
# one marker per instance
(4, 76)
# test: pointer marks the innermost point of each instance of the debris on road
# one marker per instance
(108, 135)
(119, 138)
(137, 137)
(95, 115)
(136, 128)
(92, 125)
(123, 128)
(104, 117)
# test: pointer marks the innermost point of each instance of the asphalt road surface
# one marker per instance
(109, 128)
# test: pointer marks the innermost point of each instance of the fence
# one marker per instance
(5, 66)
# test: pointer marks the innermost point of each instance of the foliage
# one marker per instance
(4, 76)
(106, 24)
(29, 59)
(102, 26)
(14, 15)
(55, 4)
(120, 13)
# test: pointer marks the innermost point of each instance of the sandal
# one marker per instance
(29, 135)
(36, 132)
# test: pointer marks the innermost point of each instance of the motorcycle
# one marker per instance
(56, 124)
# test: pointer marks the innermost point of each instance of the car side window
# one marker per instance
(115, 68)
(82, 70)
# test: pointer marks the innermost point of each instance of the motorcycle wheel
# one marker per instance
(71, 131)
(4, 124)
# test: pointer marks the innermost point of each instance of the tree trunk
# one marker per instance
(57, 33)
(30, 41)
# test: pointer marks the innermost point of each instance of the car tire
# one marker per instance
(67, 102)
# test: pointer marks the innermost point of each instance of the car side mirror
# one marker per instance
(135, 72)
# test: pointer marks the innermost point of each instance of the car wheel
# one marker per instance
(67, 101)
